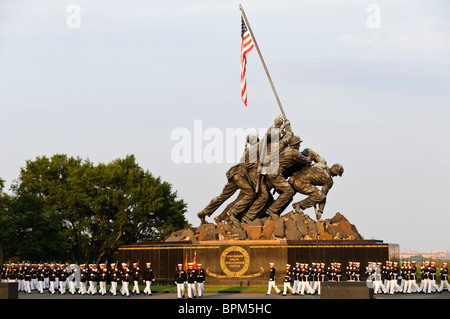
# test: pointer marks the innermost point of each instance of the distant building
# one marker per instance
(435, 254)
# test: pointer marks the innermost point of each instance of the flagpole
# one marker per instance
(262, 61)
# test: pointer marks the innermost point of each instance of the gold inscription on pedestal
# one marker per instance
(234, 262)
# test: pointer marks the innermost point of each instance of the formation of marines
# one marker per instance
(193, 278)
(90, 279)
(304, 279)
(300, 279)
(385, 278)
(274, 162)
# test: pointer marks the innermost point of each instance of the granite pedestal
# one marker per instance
(345, 290)
(9, 290)
(246, 262)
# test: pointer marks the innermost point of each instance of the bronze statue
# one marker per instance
(237, 177)
(261, 159)
(275, 139)
(305, 181)
(290, 156)
(275, 162)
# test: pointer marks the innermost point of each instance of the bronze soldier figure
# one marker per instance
(251, 162)
(267, 164)
(261, 159)
(305, 181)
(237, 177)
(289, 156)
(277, 141)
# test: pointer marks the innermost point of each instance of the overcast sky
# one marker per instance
(364, 83)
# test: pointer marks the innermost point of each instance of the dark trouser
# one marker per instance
(315, 195)
(233, 184)
(285, 190)
(263, 195)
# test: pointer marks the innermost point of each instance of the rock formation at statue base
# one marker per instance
(291, 226)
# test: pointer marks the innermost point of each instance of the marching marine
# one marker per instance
(296, 272)
(26, 271)
(272, 280)
(200, 280)
(52, 279)
(432, 287)
(315, 280)
(93, 278)
(349, 271)
(191, 281)
(136, 274)
(412, 278)
(126, 277)
(148, 278)
(304, 280)
(425, 276)
(103, 278)
(377, 282)
(114, 277)
(71, 280)
(287, 280)
(357, 271)
(84, 278)
(40, 278)
(444, 277)
(180, 280)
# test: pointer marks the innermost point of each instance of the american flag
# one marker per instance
(246, 46)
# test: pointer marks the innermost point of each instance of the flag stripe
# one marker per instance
(246, 46)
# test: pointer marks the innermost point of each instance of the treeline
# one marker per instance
(68, 209)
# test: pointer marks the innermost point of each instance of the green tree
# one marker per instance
(3, 226)
(25, 232)
(28, 234)
(100, 207)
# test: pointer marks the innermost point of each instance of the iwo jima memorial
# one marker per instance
(237, 245)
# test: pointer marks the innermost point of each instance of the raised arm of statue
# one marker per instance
(313, 156)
